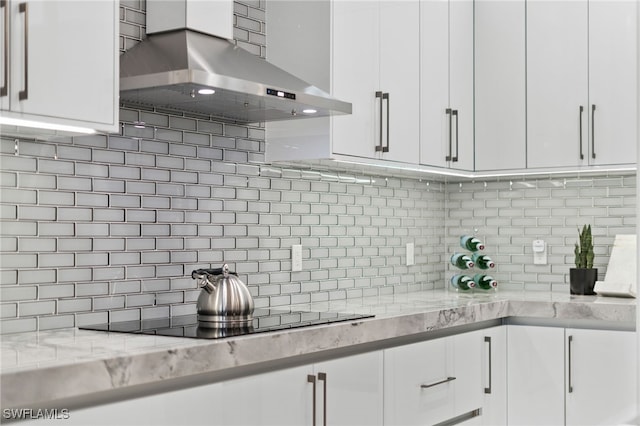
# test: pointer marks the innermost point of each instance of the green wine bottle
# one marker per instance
(482, 261)
(462, 261)
(470, 242)
(462, 282)
(485, 282)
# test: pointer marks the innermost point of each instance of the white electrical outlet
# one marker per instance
(410, 255)
(296, 258)
(539, 252)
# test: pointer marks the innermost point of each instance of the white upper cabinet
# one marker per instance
(400, 79)
(557, 83)
(446, 83)
(612, 82)
(61, 62)
(463, 85)
(581, 83)
(369, 52)
(500, 102)
(356, 77)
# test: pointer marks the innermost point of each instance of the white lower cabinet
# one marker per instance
(447, 380)
(600, 371)
(348, 391)
(569, 376)
(535, 375)
(494, 375)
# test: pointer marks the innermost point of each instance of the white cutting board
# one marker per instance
(620, 279)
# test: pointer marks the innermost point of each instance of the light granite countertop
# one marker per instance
(47, 368)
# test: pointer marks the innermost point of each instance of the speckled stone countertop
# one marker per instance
(40, 368)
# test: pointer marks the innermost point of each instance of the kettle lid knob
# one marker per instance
(225, 270)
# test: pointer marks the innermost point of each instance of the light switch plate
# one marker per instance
(296, 258)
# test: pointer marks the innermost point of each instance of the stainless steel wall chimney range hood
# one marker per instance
(188, 64)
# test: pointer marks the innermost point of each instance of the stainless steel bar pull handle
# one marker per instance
(570, 384)
(24, 94)
(593, 131)
(430, 385)
(5, 52)
(385, 96)
(312, 379)
(380, 147)
(487, 339)
(580, 132)
(455, 113)
(448, 111)
(323, 377)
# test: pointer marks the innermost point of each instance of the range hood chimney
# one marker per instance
(187, 63)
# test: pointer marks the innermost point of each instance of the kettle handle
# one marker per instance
(201, 273)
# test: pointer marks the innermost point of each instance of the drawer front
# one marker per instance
(433, 381)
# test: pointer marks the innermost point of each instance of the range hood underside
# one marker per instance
(167, 70)
(224, 103)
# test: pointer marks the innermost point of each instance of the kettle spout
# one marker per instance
(207, 285)
(202, 278)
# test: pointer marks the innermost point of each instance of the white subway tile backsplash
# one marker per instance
(20, 325)
(88, 229)
(111, 229)
(125, 315)
(92, 200)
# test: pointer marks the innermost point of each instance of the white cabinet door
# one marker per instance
(348, 391)
(260, 399)
(356, 76)
(375, 66)
(353, 387)
(4, 55)
(612, 82)
(500, 105)
(400, 77)
(601, 365)
(370, 50)
(446, 83)
(433, 381)
(535, 375)
(434, 82)
(468, 367)
(494, 375)
(581, 83)
(461, 81)
(63, 62)
(557, 83)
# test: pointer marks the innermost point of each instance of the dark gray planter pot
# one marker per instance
(582, 280)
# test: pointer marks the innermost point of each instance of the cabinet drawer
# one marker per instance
(433, 381)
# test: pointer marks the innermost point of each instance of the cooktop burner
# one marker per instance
(263, 320)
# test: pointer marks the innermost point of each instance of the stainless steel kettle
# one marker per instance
(225, 301)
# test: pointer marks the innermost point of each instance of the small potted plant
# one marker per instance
(583, 277)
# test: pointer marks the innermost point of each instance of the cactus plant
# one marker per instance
(584, 250)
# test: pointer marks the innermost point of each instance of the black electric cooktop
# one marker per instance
(264, 320)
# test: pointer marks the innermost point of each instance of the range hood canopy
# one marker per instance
(169, 69)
